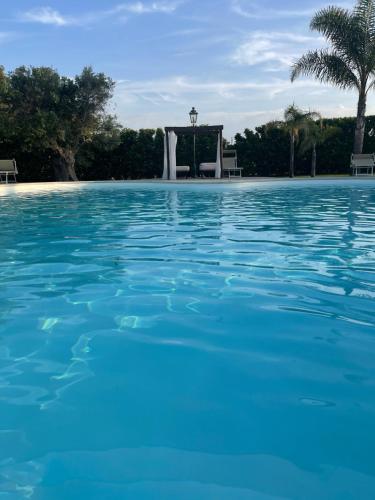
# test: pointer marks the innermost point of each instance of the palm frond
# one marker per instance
(331, 22)
(371, 85)
(364, 19)
(342, 31)
(313, 116)
(292, 113)
(327, 67)
(364, 15)
(294, 121)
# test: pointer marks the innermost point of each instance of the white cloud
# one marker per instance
(6, 36)
(148, 8)
(178, 88)
(273, 47)
(235, 103)
(46, 15)
(254, 10)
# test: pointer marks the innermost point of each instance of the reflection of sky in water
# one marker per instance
(188, 342)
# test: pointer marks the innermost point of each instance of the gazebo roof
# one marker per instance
(198, 130)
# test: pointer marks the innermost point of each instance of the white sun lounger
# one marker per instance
(205, 168)
(8, 168)
(230, 166)
(183, 169)
(363, 164)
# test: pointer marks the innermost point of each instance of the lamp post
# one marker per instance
(193, 120)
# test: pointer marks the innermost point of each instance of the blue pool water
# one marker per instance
(188, 343)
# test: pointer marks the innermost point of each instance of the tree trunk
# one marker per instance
(291, 164)
(313, 161)
(64, 167)
(361, 122)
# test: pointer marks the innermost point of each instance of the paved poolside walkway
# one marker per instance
(235, 180)
(253, 179)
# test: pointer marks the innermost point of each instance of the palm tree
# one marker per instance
(314, 134)
(295, 120)
(349, 63)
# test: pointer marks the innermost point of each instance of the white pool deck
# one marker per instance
(24, 187)
(249, 180)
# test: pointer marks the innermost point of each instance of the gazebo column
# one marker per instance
(168, 157)
(221, 154)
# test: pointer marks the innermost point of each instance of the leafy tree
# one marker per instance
(145, 153)
(62, 113)
(349, 63)
(247, 146)
(138, 155)
(269, 152)
(96, 159)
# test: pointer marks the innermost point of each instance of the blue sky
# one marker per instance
(229, 58)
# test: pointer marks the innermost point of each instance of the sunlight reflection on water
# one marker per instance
(163, 341)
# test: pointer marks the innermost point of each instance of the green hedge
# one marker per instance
(139, 154)
(266, 152)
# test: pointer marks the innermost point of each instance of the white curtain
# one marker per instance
(218, 158)
(172, 156)
(172, 139)
(165, 170)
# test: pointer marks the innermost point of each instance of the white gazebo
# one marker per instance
(170, 146)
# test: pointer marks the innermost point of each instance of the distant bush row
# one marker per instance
(129, 154)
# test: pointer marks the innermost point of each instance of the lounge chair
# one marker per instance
(230, 166)
(8, 168)
(183, 169)
(363, 164)
(206, 168)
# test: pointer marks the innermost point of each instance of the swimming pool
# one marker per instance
(188, 342)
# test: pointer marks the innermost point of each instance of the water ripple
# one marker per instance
(179, 342)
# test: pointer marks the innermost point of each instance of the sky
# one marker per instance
(228, 58)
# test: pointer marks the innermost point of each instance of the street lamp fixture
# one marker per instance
(193, 120)
(193, 116)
